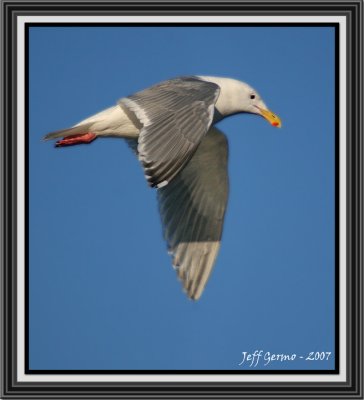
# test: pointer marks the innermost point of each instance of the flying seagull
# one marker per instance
(169, 127)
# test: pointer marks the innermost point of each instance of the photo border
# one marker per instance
(11, 386)
(335, 25)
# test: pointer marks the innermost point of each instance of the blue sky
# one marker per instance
(103, 293)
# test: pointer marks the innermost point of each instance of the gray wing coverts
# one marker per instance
(192, 208)
(174, 115)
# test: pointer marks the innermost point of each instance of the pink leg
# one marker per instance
(76, 139)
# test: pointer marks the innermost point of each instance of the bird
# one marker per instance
(170, 128)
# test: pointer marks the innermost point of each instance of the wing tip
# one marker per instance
(194, 296)
(194, 278)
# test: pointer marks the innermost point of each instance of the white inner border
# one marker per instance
(21, 200)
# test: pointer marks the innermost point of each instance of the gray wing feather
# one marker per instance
(175, 115)
(192, 208)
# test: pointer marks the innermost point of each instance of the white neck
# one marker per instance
(230, 100)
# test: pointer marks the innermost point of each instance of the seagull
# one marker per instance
(170, 127)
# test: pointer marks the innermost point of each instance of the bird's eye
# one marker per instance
(252, 96)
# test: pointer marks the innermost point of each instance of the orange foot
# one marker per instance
(76, 139)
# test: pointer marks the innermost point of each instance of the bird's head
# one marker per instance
(251, 102)
(238, 97)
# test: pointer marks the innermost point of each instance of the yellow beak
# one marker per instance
(271, 117)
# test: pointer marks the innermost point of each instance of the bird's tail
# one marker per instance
(76, 135)
(63, 133)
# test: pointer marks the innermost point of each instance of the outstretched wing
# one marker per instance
(192, 208)
(174, 116)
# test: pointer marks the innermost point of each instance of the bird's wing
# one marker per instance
(192, 208)
(174, 116)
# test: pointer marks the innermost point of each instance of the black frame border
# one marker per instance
(353, 387)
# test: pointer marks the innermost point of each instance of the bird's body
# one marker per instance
(112, 121)
(166, 125)
(117, 121)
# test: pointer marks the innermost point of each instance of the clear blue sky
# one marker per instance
(103, 293)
